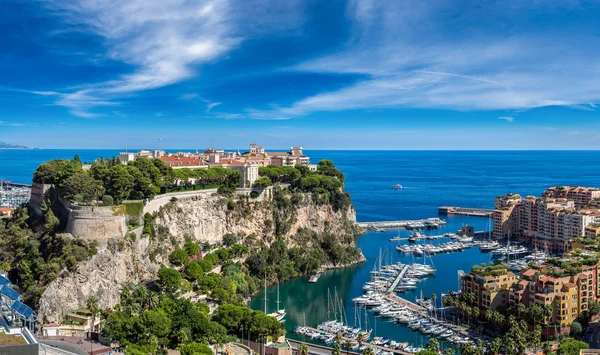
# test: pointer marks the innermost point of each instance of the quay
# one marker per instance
(385, 225)
(395, 351)
(314, 349)
(412, 306)
(398, 278)
(464, 211)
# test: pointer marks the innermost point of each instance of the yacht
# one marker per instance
(397, 186)
(489, 246)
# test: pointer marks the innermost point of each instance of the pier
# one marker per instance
(398, 278)
(399, 300)
(385, 225)
(395, 351)
(464, 211)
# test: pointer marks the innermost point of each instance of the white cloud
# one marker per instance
(210, 105)
(12, 124)
(162, 41)
(189, 96)
(507, 118)
(406, 55)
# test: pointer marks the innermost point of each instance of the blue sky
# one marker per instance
(324, 74)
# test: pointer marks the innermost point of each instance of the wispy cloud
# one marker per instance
(210, 105)
(507, 118)
(189, 96)
(160, 40)
(406, 55)
(12, 124)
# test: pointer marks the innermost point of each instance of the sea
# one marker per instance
(429, 178)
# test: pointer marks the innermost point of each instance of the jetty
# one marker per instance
(399, 300)
(397, 279)
(465, 211)
(407, 224)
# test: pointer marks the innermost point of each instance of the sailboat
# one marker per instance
(280, 313)
(490, 244)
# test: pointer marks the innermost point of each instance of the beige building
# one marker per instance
(505, 215)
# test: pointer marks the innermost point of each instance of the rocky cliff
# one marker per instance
(204, 218)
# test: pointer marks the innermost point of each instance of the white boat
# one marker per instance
(280, 313)
(397, 186)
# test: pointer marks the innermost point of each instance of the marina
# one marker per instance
(13, 195)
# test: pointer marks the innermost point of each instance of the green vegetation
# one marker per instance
(34, 255)
(496, 270)
(326, 184)
(570, 346)
(149, 320)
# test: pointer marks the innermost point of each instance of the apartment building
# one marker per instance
(581, 196)
(490, 285)
(505, 215)
(567, 294)
(549, 222)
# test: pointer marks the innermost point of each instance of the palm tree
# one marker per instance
(495, 346)
(433, 345)
(369, 351)
(433, 302)
(449, 351)
(92, 305)
(547, 311)
(347, 346)
(360, 338)
(303, 349)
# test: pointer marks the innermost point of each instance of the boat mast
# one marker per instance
(265, 293)
(278, 308)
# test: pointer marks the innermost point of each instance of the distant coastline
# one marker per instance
(8, 146)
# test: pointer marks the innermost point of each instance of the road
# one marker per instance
(592, 334)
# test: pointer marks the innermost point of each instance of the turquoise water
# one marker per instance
(431, 179)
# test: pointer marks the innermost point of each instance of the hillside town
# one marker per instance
(247, 163)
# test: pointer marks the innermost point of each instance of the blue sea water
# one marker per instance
(430, 179)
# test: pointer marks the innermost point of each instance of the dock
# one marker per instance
(397, 279)
(412, 306)
(386, 225)
(465, 211)
(395, 351)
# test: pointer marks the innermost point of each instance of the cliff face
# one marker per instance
(205, 218)
(208, 219)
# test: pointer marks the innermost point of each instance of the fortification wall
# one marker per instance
(95, 223)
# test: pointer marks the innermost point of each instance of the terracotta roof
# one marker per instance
(570, 284)
(277, 153)
(529, 272)
(5, 209)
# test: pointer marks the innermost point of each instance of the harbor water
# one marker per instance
(430, 180)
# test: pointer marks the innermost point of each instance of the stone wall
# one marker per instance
(95, 223)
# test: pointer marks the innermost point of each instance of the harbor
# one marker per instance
(306, 303)
(13, 195)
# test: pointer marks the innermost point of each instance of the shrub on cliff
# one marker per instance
(178, 257)
(169, 279)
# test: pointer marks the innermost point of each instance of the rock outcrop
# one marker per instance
(204, 218)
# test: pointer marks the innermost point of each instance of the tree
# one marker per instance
(193, 270)
(92, 305)
(427, 352)
(547, 348)
(262, 182)
(191, 248)
(169, 279)
(433, 345)
(449, 351)
(303, 349)
(369, 351)
(570, 346)
(51, 222)
(593, 308)
(347, 346)
(576, 328)
(178, 257)
(195, 349)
